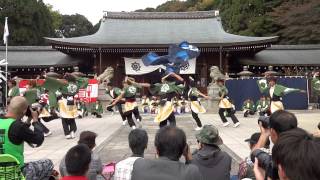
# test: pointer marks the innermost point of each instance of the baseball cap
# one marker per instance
(255, 138)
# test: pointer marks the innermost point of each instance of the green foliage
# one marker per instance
(56, 19)
(75, 25)
(294, 21)
(29, 21)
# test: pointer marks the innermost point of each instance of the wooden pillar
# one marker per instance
(226, 63)
(100, 61)
(220, 59)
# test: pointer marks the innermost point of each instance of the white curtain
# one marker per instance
(136, 67)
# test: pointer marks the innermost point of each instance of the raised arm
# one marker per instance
(118, 99)
(172, 74)
(136, 83)
(203, 95)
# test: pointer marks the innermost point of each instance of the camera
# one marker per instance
(264, 121)
(265, 162)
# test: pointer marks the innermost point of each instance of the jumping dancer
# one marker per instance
(114, 92)
(225, 105)
(68, 87)
(275, 92)
(167, 91)
(129, 92)
(195, 105)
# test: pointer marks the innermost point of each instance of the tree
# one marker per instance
(29, 21)
(75, 25)
(56, 20)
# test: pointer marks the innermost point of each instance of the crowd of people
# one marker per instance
(292, 156)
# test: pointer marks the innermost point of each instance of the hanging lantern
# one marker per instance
(28, 69)
(259, 67)
(22, 69)
(34, 69)
(253, 67)
(69, 68)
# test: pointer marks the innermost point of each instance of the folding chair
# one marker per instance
(10, 168)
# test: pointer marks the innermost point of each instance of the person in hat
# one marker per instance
(275, 92)
(246, 166)
(213, 163)
(225, 105)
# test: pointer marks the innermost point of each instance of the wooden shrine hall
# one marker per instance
(133, 34)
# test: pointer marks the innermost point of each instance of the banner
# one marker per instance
(136, 67)
(88, 95)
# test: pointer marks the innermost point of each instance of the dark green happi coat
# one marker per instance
(166, 88)
(66, 88)
(131, 91)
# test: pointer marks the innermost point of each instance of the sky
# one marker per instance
(93, 9)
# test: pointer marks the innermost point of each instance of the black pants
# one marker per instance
(171, 119)
(136, 113)
(248, 112)
(128, 116)
(69, 125)
(119, 107)
(196, 118)
(223, 117)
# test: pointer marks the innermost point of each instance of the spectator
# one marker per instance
(138, 141)
(77, 162)
(170, 144)
(88, 138)
(279, 122)
(296, 154)
(211, 161)
(19, 132)
(246, 166)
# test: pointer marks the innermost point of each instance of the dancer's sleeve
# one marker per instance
(263, 85)
(285, 90)
(53, 84)
(155, 88)
(82, 83)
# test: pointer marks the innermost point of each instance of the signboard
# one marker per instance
(136, 67)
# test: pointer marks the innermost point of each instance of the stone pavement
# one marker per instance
(56, 146)
(112, 142)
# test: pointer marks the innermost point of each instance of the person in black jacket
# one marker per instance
(15, 133)
(213, 163)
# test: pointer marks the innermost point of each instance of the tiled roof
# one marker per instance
(143, 29)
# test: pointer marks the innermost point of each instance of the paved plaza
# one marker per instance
(112, 142)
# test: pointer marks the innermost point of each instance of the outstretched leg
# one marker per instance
(196, 118)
